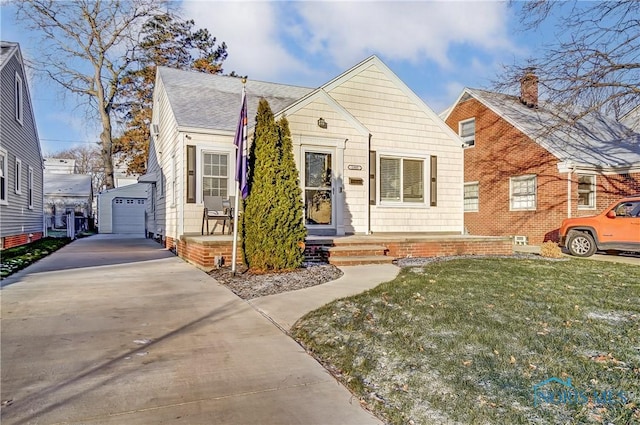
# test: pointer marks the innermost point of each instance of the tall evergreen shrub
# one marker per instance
(273, 229)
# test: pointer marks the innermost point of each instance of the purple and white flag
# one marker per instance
(241, 153)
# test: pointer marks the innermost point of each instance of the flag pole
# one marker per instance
(235, 229)
(239, 151)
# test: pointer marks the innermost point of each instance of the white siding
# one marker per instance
(306, 133)
(160, 216)
(367, 99)
(105, 199)
(400, 126)
(192, 219)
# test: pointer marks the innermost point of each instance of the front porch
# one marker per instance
(210, 251)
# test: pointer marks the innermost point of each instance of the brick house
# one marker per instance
(524, 173)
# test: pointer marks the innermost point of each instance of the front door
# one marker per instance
(318, 190)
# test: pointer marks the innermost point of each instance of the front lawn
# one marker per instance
(474, 341)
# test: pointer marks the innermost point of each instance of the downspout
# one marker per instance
(570, 169)
(44, 216)
(178, 199)
(368, 209)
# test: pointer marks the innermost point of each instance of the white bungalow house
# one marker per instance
(392, 164)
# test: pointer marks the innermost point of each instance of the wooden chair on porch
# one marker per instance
(214, 210)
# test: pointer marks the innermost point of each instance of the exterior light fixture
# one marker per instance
(322, 123)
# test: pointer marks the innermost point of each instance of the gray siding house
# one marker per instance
(21, 163)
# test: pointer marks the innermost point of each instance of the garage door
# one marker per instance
(128, 215)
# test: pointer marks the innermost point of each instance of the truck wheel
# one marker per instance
(581, 244)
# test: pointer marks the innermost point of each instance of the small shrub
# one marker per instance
(550, 249)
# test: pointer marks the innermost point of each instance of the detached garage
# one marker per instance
(122, 210)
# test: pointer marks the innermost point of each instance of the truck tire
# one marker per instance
(581, 244)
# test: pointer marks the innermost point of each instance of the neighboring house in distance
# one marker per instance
(367, 146)
(120, 176)
(524, 174)
(64, 193)
(21, 169)
(60, 166)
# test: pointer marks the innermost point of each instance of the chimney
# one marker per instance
(529, 89)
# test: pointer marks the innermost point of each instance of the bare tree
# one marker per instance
(595, 63)
(87, 47)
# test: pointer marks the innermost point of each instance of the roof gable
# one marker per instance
(322, 95)
(7, 50)
(594, 140)
(394, 79)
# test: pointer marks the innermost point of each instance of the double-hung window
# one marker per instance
(3, 177)
(467, 131)
(471, 196)
(586, 191)
(401, 180)
(30, 188)
(215, 174)
(523, 192)
(18, 177)
(18, 98)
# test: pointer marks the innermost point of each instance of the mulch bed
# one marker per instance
(248, 285)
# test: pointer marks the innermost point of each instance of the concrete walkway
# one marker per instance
(284, 309)
(120, 331)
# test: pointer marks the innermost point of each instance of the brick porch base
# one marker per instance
(202, 251)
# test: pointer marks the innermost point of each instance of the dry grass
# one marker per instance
(550, 249)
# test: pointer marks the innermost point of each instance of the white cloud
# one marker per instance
(312, 41)
(408, 31)
(252, 34)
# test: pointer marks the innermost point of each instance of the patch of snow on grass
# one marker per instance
(610, 316)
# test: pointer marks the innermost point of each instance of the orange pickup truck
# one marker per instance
(617, 228)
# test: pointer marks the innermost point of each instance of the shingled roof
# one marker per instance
(67, 184)
(212, 102)
(593, 140)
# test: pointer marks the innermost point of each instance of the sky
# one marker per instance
(436, 47)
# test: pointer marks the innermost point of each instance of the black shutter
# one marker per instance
(372, 178)
(191, 174)
(434, 181)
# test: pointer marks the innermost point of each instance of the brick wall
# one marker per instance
(316, 251)
(203, 253)
(441, 248)
(609, 188)
(21, 239)
(501, 152)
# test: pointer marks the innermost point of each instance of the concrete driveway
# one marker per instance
(119, 331)
(632, 258)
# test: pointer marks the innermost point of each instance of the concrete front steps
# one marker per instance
(353, 255)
